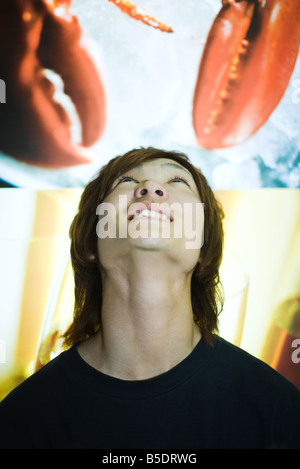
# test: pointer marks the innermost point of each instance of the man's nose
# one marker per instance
(151, 189)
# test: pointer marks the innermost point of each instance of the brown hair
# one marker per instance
(206, 288)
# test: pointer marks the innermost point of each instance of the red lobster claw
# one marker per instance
(247, 62)
(34, 127)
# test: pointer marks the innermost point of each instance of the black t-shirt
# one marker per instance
(217, 397)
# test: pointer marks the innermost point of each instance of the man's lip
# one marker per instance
(154, 206)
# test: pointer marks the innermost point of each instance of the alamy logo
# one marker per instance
(2, 91)
(296, 353)
(164, 221)
(2, 351)
(296, 92)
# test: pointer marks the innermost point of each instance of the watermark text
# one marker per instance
(2, 91)
(296, 352)
(2, 351)
(296, 92)
(185, 221)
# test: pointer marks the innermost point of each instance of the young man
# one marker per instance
(145, 367)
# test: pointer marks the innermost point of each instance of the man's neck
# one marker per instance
(147, 325)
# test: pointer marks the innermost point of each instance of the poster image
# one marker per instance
(83, 82)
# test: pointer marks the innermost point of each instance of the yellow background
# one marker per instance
(261, 272)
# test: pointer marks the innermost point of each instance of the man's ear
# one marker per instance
(92, 257)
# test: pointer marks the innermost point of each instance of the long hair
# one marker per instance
(206, 288)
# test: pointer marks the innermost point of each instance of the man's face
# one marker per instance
(155, 207)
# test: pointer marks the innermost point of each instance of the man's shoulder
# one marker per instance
(252, 371)
(38, 385)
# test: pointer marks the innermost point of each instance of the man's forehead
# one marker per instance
(163, 163)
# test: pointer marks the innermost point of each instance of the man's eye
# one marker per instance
(178, 179)
(126, 179)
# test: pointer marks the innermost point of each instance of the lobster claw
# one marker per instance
(34, 127)
(247, 62)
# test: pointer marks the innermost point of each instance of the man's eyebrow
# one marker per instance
(177, 166)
